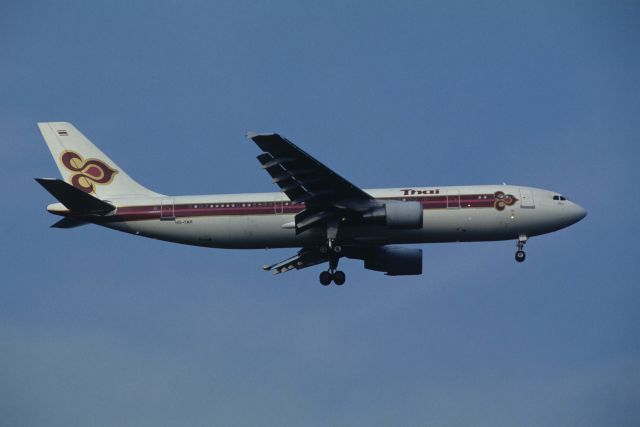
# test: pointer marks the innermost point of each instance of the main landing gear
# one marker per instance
(333, 251)
(338, 277)
(333, 274)
(331, 247)
(520, 255)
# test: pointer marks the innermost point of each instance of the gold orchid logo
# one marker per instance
(87, 173)
(503, 200)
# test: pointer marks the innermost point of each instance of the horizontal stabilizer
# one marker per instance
(69, 222)
(77, 201)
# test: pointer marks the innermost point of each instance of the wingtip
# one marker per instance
(252, 135)
(45, 124)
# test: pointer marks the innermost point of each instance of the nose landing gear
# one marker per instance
(520, 255)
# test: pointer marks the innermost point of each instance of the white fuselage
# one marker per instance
(265, 220)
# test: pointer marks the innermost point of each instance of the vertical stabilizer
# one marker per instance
(84, 166)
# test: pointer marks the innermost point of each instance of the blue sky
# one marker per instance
(100, 328)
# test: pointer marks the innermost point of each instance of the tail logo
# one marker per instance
(87, 173)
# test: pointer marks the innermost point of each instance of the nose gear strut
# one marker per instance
(520, 255)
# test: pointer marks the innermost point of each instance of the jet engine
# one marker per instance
(395, 261)
(396, 215)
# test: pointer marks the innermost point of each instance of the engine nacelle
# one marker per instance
(396, 215)
(395, 261)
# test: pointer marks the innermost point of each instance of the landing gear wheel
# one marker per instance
(339, 278)
(520, 256)
(324, 249)
(337, 249)
(325, 278)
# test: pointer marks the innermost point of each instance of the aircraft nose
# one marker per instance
(583, 212)
(577, 213)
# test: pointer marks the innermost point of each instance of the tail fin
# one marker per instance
(85, 167)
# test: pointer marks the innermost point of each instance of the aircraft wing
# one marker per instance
(301, 177)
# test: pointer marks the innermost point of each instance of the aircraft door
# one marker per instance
(453, 199)
(526, 199)
(278, 206)
(167, 210)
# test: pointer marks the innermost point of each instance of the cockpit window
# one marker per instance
(556, 197)
(562, 198)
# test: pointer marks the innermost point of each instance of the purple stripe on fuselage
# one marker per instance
(138, 213)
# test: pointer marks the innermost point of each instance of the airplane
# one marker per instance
(318, 211)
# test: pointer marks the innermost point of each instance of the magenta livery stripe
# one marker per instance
(137, 213)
